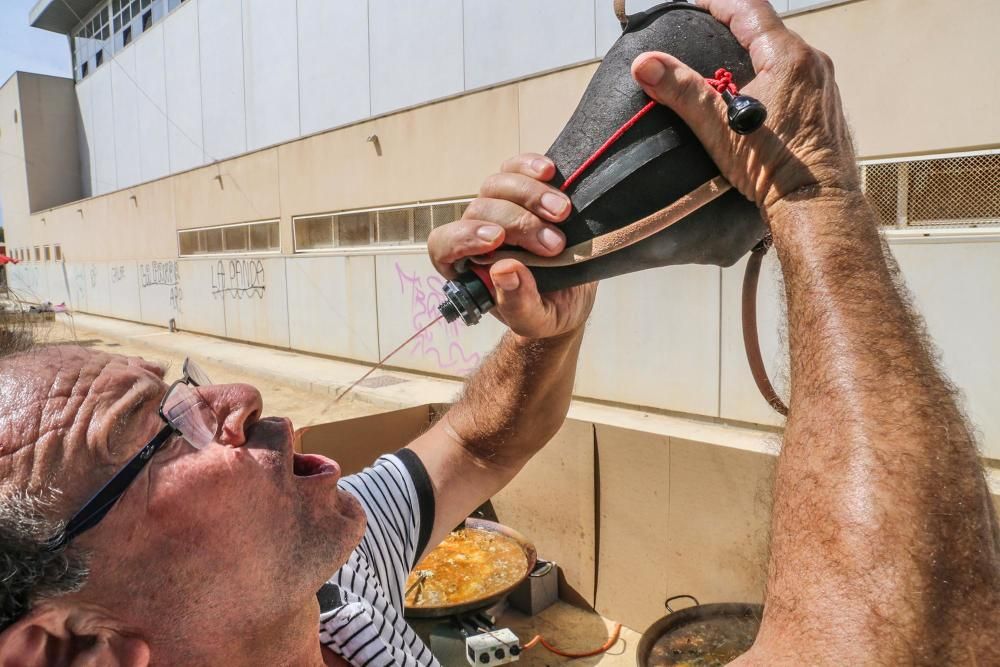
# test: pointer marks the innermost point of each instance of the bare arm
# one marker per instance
(884, 547)
(882, 529)
(518, 398)
(509, 409)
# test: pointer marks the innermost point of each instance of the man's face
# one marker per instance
(213, 540)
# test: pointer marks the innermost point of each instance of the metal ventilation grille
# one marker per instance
(955, 190)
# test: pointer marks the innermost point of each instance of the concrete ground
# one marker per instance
(303, 388)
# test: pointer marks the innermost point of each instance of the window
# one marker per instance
(935, 190)
(48, 253)
(113, 25)
(264, 237)
(91, 39)
(235, 239)
(354, 229)
(389, 226)
(313, 233)
(395, 226)
(58, 252)
(38, 254)
(250, 237)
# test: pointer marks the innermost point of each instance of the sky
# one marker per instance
(28, 49)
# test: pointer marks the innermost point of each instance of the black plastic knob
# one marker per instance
(746, 114)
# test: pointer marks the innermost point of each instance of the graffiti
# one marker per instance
(242, 279)
(79, 286)
(117, 273)
(163, 274)
(440, 342)
(158, 273)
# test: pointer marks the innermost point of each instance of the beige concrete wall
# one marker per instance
(51, 118)
(13, 173)
(916, 76)
(238, 190)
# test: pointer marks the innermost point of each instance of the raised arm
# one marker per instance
(884, 546)
(518, 398)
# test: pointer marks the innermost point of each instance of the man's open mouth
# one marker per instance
(313, 465)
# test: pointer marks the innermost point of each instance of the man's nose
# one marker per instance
(237, 407)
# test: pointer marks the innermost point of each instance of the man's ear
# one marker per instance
(55, 636)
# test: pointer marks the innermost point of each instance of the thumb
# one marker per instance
(673, 84)
(518, 300)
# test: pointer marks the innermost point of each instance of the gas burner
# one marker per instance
(473, 635)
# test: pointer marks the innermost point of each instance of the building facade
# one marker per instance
(268, 171)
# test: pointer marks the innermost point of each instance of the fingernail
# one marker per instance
(553, 203)
(508, 282)
(549, 238)
(489, 232)
(540, 165)
(650, 72)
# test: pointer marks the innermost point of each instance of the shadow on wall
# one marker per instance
(86, 188)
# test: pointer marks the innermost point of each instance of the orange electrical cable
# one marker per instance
(612, 640)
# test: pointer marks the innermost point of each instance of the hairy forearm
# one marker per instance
(879, 493)
(517, 399)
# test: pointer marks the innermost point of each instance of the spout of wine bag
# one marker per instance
(644, 191)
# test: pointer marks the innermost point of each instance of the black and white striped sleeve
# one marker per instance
(398, 500)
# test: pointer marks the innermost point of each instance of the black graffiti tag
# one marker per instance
(242, 279)
(159, 273)
(163, 274)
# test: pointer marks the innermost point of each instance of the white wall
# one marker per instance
(183, 87)
(128, 164)
(220, 41)
(271, 71)
(649, 346)
(333, 63)
(151, 75)
(330, 306)
(415, 52)
(105, 177)
(85, 127)
(524, 37)
(221, 77)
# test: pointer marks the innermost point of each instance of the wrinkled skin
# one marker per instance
(176, 545)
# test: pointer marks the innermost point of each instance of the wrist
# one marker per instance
(559, 340)
(819, 209)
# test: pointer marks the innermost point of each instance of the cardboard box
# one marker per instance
(355, 443)
(632, 516)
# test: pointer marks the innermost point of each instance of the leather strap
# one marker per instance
(620, 12)
(622, 237)
(751, 342)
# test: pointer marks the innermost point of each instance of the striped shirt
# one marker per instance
(361, 606)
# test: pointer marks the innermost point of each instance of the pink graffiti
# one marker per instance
(441, 341)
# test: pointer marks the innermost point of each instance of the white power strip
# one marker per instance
(497, 647)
